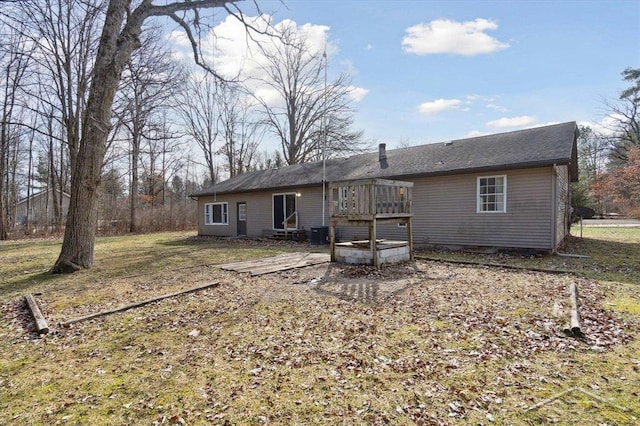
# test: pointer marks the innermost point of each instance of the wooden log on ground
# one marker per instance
(41, 323)
(137, 304)
(576, 329)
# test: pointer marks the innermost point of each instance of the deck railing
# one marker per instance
(366, 199)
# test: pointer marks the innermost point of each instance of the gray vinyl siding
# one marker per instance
(260, 211)
(445, 213)
(562, 204)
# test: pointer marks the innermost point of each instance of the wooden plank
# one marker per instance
(41, 323)
(137, 304)
(311, 259)
(277, 263)
(258, 261)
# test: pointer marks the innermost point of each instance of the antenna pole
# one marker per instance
(324, 139)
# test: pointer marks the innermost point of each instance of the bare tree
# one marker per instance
(241, 132)
(199, 113)
(150, 83)
(307, 105)
(63, 34)
(592, 153)
(120, 37)
(625, 113)
(14, 61)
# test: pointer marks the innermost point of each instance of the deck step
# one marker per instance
(296, 235)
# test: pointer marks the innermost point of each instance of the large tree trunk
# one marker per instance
(113, 53)
(133, 226)
(118, 40)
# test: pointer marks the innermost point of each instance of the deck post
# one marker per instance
(332, 239)
(372, 243)
(410, 237)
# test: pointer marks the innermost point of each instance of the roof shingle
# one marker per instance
(540, 146)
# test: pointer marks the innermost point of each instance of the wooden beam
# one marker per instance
(137, 304)
(41, 323)
(332, 240)
(576, 330)
(410, 238)
(373, 243)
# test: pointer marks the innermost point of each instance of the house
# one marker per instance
(508, 190)
(39, 209)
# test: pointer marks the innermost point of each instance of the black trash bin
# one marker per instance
(319, 235)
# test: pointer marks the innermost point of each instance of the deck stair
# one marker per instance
(292, 235)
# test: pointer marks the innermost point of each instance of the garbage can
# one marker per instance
(319, 235)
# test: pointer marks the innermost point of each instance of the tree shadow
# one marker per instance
(29, 284)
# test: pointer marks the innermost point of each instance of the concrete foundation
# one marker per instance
(359, 252)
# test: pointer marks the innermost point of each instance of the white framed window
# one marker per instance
(492, 194)
(216, 214)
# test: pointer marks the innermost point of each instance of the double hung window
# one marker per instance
(492, 194)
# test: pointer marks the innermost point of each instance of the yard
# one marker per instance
(429, 342)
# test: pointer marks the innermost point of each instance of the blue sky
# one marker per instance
(438, 70)
(554, 61)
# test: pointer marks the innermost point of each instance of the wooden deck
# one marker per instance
(368, 202)
(283, 262)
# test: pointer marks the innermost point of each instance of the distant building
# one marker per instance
(39, 209)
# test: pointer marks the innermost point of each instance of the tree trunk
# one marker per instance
(3, 211)
(135, 149)
(119, 38)
(113, 53)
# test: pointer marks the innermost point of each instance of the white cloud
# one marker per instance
(475, 133)
(520, 121)
(497, 107)
(234, 54)
(357, 93)
(608, 126)
(369, 46)
(458, 38)
(439, 105)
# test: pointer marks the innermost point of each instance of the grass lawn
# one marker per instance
(428, 342)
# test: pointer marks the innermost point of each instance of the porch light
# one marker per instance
(298, 194)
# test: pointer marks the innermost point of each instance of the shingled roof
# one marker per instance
(536, 147)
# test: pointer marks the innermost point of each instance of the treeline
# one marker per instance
(174, 127)
(609, 157)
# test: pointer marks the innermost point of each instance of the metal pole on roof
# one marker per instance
(324, 139)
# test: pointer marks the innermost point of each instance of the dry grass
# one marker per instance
(426, 343)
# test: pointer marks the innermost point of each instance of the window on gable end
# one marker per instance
(492, 194)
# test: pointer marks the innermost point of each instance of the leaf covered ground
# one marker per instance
(419, 343)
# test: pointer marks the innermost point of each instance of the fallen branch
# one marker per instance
(574, 329)
(41, 323)
(137, 304)
(494, 265)
(575, 256)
